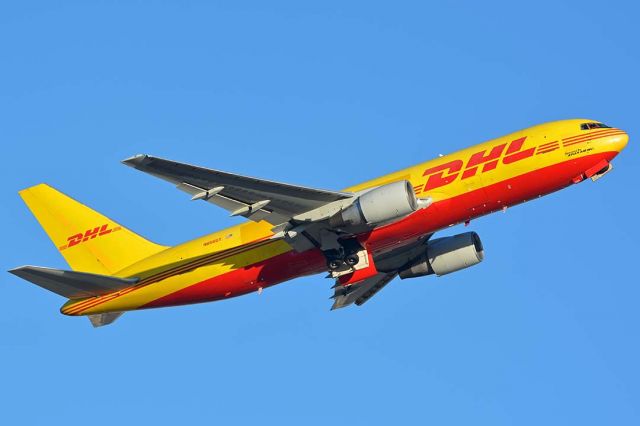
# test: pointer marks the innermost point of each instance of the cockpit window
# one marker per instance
(589, 126)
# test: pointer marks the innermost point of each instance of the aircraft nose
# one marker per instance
(619, 141)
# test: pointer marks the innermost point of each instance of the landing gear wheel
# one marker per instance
(352, 259)
(334, 264)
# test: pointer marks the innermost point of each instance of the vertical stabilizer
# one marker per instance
(89, 241)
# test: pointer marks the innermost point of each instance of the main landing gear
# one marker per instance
(346, 255)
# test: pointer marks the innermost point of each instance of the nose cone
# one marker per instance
(618, 141)
(613, 140)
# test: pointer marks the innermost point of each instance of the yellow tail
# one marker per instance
(89, 241)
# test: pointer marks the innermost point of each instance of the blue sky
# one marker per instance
(545, 331)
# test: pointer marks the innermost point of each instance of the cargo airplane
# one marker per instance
(363, 236)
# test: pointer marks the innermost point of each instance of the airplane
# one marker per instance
(362, 237)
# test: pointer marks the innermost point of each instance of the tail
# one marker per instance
(89, 241)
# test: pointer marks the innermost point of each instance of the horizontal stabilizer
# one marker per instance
(72, 284)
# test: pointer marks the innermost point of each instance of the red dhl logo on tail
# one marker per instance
(89, 234)
(445, 174)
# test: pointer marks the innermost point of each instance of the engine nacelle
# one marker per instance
(379, 205)
(446, 255)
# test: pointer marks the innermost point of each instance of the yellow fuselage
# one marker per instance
(466, 184)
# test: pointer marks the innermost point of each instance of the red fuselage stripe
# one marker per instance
(592, 134)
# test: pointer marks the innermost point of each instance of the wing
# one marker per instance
(255, 199)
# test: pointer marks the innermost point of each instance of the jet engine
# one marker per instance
(446, 255)
(379, 205)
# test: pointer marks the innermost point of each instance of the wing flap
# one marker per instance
(360, 292)
(72, 284)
